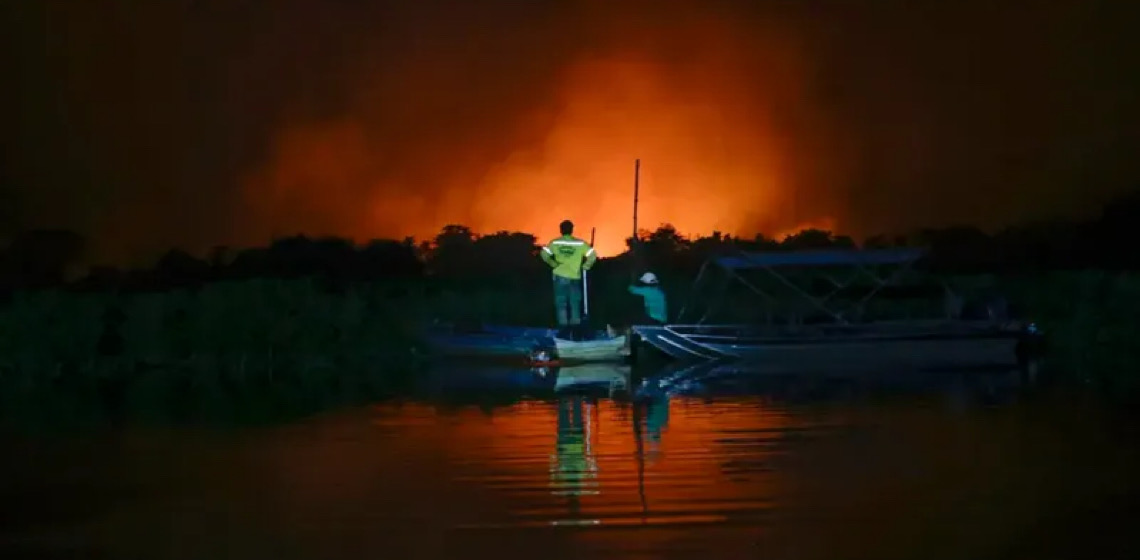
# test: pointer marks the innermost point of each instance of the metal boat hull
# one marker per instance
(951, 349)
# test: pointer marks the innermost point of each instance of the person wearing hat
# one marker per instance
(653, 297)
(568, 256)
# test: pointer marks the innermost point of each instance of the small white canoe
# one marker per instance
(606, 349)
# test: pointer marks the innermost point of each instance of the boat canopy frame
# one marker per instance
(859, 261)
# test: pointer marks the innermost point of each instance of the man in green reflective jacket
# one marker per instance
(568, 256)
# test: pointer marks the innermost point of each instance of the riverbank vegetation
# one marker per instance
(324, 316)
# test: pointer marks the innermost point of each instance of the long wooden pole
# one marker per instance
(633, 267)
(586, 283)
(636, 188)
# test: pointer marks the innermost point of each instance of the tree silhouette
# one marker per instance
(41, 258)
(383, 258)
(960, 249)
(179, 268)
(452, 251)
(9, 209)
(506, 260)
(884, 241)
(507, 253)
(816, 239)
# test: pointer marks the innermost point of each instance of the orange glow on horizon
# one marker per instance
(712, 159)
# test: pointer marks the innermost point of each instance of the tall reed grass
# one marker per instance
(294, 338)
(303, 341)
(1092, 322)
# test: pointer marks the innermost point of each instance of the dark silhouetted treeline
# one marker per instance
(459, 259)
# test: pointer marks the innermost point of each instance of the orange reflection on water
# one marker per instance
(578, 460)
(432, 480)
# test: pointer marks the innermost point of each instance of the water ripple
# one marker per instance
(665, 476)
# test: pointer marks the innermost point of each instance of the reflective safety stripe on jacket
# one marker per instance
(569, 255)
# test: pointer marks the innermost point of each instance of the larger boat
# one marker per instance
(857, 320)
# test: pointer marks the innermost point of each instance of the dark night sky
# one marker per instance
(151, 123)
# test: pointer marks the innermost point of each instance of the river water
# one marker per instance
(487, 462)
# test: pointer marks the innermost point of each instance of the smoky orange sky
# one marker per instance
(194, 123)
(715, 155)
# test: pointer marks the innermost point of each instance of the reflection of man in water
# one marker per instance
(575, 469)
